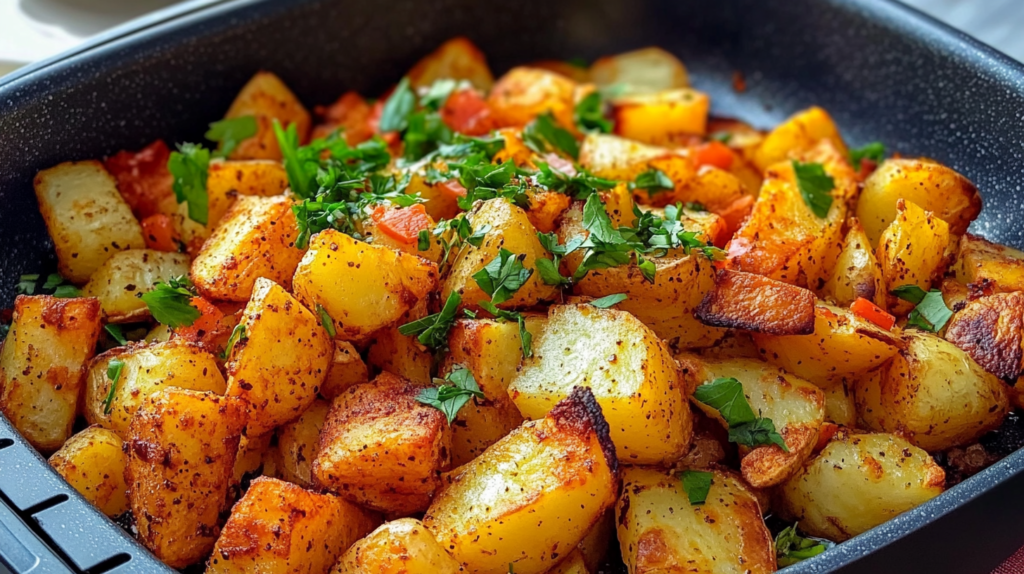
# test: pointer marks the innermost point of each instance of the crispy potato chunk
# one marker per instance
(629, 370)
(93, 464)
(991, 331)
(857, 483)
(42, 365)
(660, 117)
(267, 98)
(801, 132)
(255, 239)
(660, 531)
(840, 405)
(565, 477)
(856, 273)
(298, 442)
(278, 385)
(756, 303)
(402, 546)
(382, 448)
(525, 93)
(282, 528)
(640, 71)
(251, 453)
(363, 287)
(399, 354)
(913, 250)
(181, 449)
(347, 369)
(572, 564)
(127, 274)
(989, 265)
(932, 393)
(457, 59)
(86, 216)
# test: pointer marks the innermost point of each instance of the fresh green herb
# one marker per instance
(589, 115)
(398, 107)
(114, 368)
(61, 288)
(449, 398)
(503, 276)
(654, 181)
(760, 431)
(452, 234)
(930, 313)
(27, 284)
(484, 180)
(326, 321)
(543, 135)
(115, 331)
(549, 268)
(432, 330)
(438, 93)
(694, 206)
(815, 186)
(721, 137)
(791, 548)
(423, 240)
(609, 300)
(696, 485)
(726, 396)
(170, 303)
(874, 151)
(579, 186)
(190, 167)
(4, 329)
(464, 146)
(230, 132)
(525, 337)
(424, 132)
(237, 334)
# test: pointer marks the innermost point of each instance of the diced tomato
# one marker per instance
(735, 212)
(560, 163)
(205, 326)
(142, 177)
(351, 113)
(871, 312)
(158, 231)
(467, 112)
(452, 189)
(825, 435)
(714, 153)
(403, 223)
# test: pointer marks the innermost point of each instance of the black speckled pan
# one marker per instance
(884, 71)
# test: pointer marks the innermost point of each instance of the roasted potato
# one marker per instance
(267, 98)
(525, 93)
(87, 218)
(402, 546)
(629, 370)
(566, 476)
(594, 546)
(989, 265)
(456, 59)
(858, 482)
(913, 250)
(251, 453)
(840, 404)
(399, 354)
(126, 275)
(756, 303)
(93, 464)
(298, 442)
(43, 363)
(801, 132)
(661, 117)
(640, 71)
(347, 369)
(991, 330)
(857, 273)
(572, 564)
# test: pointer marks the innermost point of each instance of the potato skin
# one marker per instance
(879, 477)
(913, 250)
(857, 273)
(298, 442)
(403, 546)
(756, 303)
(799, 133)
(281, 528)
(93, 464)
(458, 59)
(989, 265)
(991, 330)
(642, 71)
(659, 117)
(488, 517)
(42, 365)
(524, 93)
(119, 281)
(267, 98)
(660, 531)
(181, 449)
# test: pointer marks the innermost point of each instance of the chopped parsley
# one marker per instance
(653, 181)
(696, 485)
(170, 303)
(930, 313)
(54, 285)
(432, 330)
(326, 321)
(543, 135)
(451, 393)
(726, 396)
(116, 333)
(398, 107)
(237, 334)
(503, 276)
(791, 548)
(589, 115)
(230, 132)
(190, 167)
(548, 268)
(423, 240)
(484, 180)
(874, 151)
(815, 186)
(114, 368)
(27, 284)
(609, 300)
(579, 186)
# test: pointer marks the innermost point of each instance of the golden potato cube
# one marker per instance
(267, 98)
(991, 330)
(532, 496)
(840, 404)
(456, 59)
(383, 449)
(756, 303)
(362, 287)
(281, 362)
(988, 264)
(299, 441)
(43, 363)
(913, 250)
(801, 132)
(858, 482)
(629, 370)
(86, 216)
(399, 354)
(255, 239)
(127, 274)
(93, 464)
(347, 369)
(659, 117)
(857, 273)
(181, 449)
(660, 531)
(640, 71)
(525, 93)
(403, 546)
(546, 207)
(281, 528)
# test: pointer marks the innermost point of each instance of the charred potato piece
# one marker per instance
(456, 59)
(759, 304)
(525, 93)
(857, 273)
(93, 464)
(801, 132)
(347, 369)
(298, 442)
(913, 250)
(127, 274)
(640, 71)
(991, 331)
(989, 265)
(660, 117)
(398, 547)
(267, 98)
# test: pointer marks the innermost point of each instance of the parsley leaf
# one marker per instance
(61, 288)
(726, 396)
(930, 313)
(721, 137)
(27, 284)
(170, 303)
(190, 167)
(449, 398)
(230, 132)
(115, 331)
(543, 135)
(589, 115)
(432, 330)
(398, 107)
(580, 186)
(326, 321)
(609, 300)
(815, 186)
(438, 93)
(874, 151)
(696, 485)
(237, 334)
(654, 181)
(758, 432)
(503, 276)
(423, 240)
(791, 548)
(548, 268)
(114, 368)
(424, 131)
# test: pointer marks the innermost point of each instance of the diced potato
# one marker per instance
(299, 441)
(525, 93)
(399, 354)
(840, 404)
(565, 477)
(267, 98)
(255, 239)
(181, 449)
(801, 132)
(640, 71)
(572, 564)
(659, 117)
(857, 273)
(629, 370)
(402, 546)
(510, 229)
(857, 483)
(988, 264)
(93, 464)
(991, 330)
(281, 362)
(914, 250)
(362, 287)
(281, 528)
(660, 531)
(618, 203)
(457, 59)
(439, 203)
(932, 393)
(86, 216)
(383, 449)
(347, 369)
(756, 303)
(42, 365)
(842, 343)
(735, 345)
(127, 274)
(933, 186)
(796, 407)
(546, 207)
(251, 453)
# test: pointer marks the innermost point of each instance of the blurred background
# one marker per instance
(31, 30)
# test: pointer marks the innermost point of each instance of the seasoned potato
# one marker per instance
(565, 477)
(93, 464)
(913, 250)
(97, 387)
(181, 449)
(856, 273)
(525, 93)
(857, 483)
(439, 203)
(660, 117)
(267, 98)
(382, 448)
(399, 354)
(640, 71)
(594, 546)
(298, 442)
(987, 264)
(759, 304)
(546, 207)
(932, 393)
(347, 369)
(629, 370)
(362, 287)
(42, 365)
(279, 365)
(281, 528)
(255, 239)
(457, 59)
(840, 404)
(127, 274)
(251, 453)
(801, 132)
(991, 330)
(660, 531)
(842, 343)
(402, 546)
(572, 564)
(933, 186)
(87, 218)
(510, 229)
